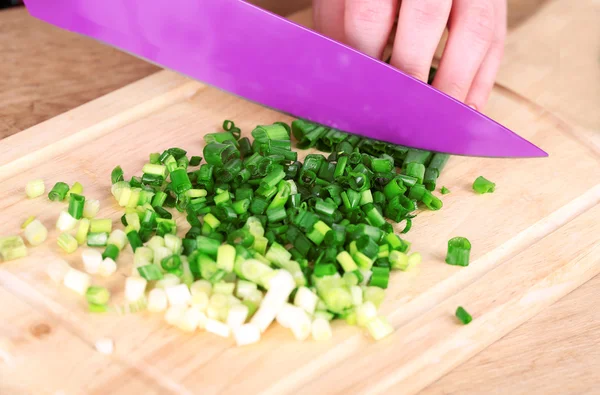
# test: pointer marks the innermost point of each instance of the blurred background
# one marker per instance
(46, 71)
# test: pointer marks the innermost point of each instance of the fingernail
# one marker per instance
(473, 106)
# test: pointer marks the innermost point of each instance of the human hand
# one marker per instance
(472, 55)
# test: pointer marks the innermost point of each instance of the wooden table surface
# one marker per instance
(46, 72)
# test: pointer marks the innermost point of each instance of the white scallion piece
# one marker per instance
(135, 288)
(174, 314)
(105, 346)
(200, 301)
(168, 280)
(91, 208)
(379, 328)
(321, 329)
(118, 238)
(357, 295)
(218, 328)
(155, 242)
(365, 313)
(173, 243)
(245, 288)
(35, 188)
(246, 334)
(91, 260)
(35, 232)
(301, 325)
(107, 267)
(161, 253)
(178, 295)
(190, 319)
(287, 314)
(237, 315)
(232, 300)
(142, 256)
(201, 286)
(65, 222)
(366, 273)
(57, 269)
(307, 300)
(157, 300)
(77, 281)
(280, 287)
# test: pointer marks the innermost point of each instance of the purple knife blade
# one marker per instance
(250, 52)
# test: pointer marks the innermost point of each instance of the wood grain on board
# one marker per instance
(39, 356)
(178, 107)
(188, 109)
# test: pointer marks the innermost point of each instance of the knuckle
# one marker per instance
(369, 11)
(415, 70)
(431, 10)
(455, 89)
(480, 20)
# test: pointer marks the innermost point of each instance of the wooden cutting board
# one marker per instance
(534, 240)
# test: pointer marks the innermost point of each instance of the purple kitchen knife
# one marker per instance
(250, 52)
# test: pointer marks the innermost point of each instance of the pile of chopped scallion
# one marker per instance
(270, 237)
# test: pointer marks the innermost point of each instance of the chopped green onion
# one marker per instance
(12, 247)
(208, 246)
(156, 170)
(118, 238)
(398, 260)
(150, 272)
(97, 295)
(180, 181)
(379, 328)
(195, 160)
(67, 243)
(58, 192)
(346, 261)
(155, 158)
(463, 315)
(76, 203)
(111, 251)
(77, 188)
(380, 277)
(445, 191)
(65, 221)
(318, 233)
(29, 220)
(35, 188)
(97, 239)
(482, 185)
(35, 232)
(82, 231)
(416, 170)
(134, 239)
(101, 225)
(226, 257)
(171, 264)
(91, 208)
(116, 175)
(459, 251)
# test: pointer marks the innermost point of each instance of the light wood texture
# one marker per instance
(37, 349)
(107, 121)
(46, 71)
(508, 271)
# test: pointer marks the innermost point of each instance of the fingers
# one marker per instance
(484, 79)
(328, 17)
(368, 24)
(421, 25)
(471, 30)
